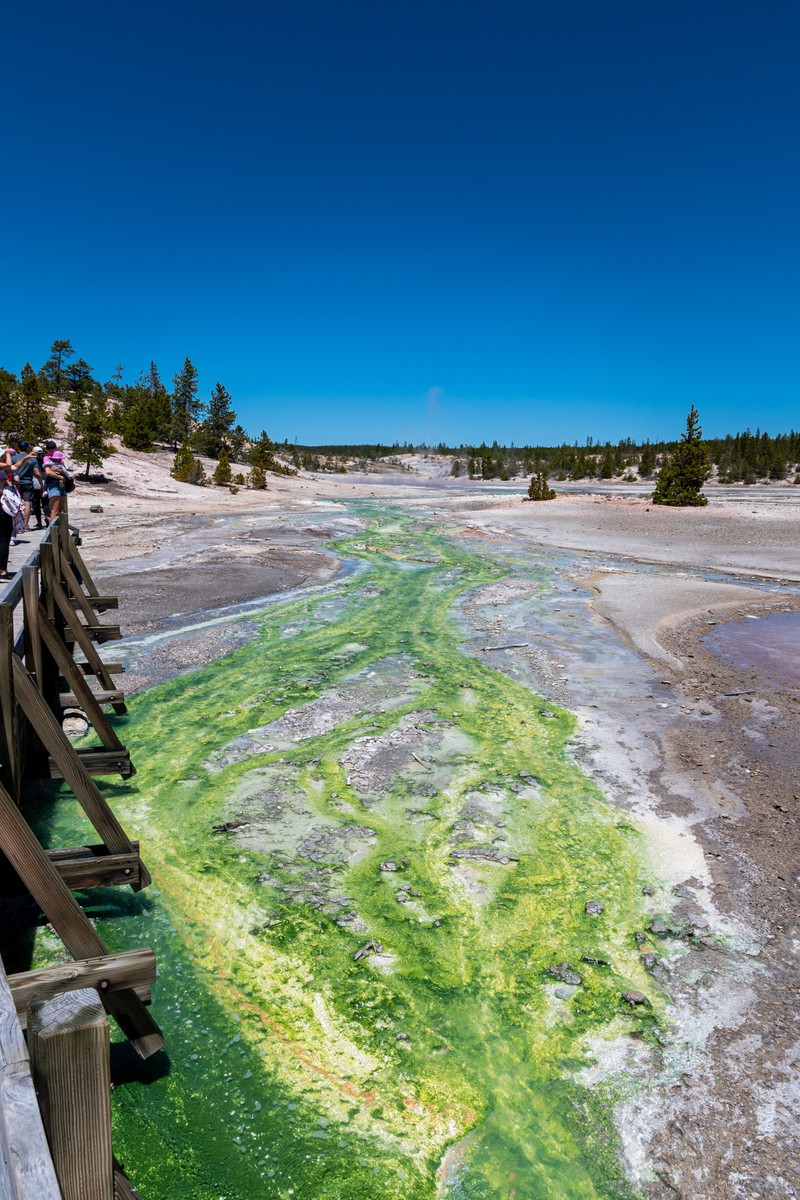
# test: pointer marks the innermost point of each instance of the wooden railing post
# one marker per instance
(69, 1048)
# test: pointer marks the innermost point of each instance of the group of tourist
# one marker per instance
(33, 481)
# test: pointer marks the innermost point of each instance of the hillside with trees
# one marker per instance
(148, 415)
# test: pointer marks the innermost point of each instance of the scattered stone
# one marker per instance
(595, 962)
(95, 508)
(403, 1037)
(634, 998)
(525, 775)
(436, 924)
(650, 961)
(548, 714)
(402, 897)
(372, 947)
(565, 973)
(389, 865)
(595, 908)
(564, 992)
(648, 890)
(658, 927)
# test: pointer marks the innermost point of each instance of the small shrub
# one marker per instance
(258, 478)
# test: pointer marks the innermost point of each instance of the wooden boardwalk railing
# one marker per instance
(48, 613)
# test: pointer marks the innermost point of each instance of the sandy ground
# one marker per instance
(730, 736)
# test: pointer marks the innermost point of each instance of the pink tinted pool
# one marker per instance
(769, 644)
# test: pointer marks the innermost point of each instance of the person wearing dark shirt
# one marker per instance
(26, 469)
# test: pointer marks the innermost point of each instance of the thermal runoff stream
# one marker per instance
(373, 855)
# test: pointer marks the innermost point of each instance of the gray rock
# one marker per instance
(650, 961)
(95, 508)
(563, 992)
(389, 865)
(595, 908)
(634, 998)
(403, 1037)
(565, 973)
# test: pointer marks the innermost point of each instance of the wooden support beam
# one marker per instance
(70, 1062)
(26, 1168)
(123, 1188)
(110, 973)
(31, 610)
(73, 553)
(72, 768)
(95, 633)
(22, 849)
(101, 603)
(71, 700)
(83, 641)
(97, 762)
(92, 866)
(79, 597)
(12, 767)
(85, 697)
(113, 668)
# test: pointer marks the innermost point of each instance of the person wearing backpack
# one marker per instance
(12, 519)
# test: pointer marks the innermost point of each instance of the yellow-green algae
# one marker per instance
(287, 1076)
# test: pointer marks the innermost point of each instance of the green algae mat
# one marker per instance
(372, 858)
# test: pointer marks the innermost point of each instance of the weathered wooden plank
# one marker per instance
(26, 1168)
(69, 1046)
(109, 973)
(98, 762)
(30, 861)
(72, 768)
(31, 610)
(71, 700)
(77, 592)
(85, 697)
(25, 1158)
(92, 866)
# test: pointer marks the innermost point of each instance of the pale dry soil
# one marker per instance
(716, 746)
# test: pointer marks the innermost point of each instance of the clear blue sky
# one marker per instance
(377, 221)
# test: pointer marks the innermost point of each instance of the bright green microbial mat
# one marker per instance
(351, 734)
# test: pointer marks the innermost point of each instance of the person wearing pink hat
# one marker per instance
(55, 480)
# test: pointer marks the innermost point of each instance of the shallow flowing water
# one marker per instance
(368, 850)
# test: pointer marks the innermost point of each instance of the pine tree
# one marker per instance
(158, 405)
(223, 473)
(89, 417)
(539, 489)
(257, 478)
(262, 453)
(33, 407)
(9, 403)
(685, 472)
(186, 468)
(214, 434)
(185, 408)
(53, 370)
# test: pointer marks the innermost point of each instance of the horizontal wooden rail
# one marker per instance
(110, 973)
(93, 866)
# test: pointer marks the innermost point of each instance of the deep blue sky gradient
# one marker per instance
(529, 221)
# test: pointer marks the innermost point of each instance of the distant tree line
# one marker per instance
(738, 458)
(145, 415)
